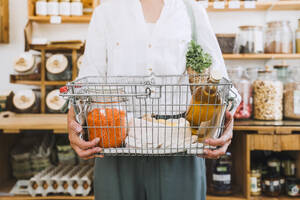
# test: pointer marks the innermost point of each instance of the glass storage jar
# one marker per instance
(41, 8)
(298, 37)
(243, 84)
(55, 103)
(268, 96)
(293, 187)
(249, 40)
(53, 7)
(76, 8)
(272, 185)
(289, 167)
(221, 176)
(279, 37)
(58, 68)
(65, 8)
(292, 95)
(273, 165)
(255, 181)
(27, 63)
(26, 101)
(282, 72)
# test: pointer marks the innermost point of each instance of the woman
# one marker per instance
(131, 37)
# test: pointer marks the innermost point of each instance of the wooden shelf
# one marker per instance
(24, 82)
(260, 56)
(260, 6)
(273, 198)
(64, 19)
(230, 197)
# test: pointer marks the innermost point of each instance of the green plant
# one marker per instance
(196, 58)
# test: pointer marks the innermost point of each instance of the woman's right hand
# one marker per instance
(85, 150)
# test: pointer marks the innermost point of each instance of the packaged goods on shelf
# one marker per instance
(221, 176)
(5, 100)
(58, 68)
(65, 153)
(56, 103)
(76, 8)
(53, 7)
(65, 7)
(268, 97)
(293, 187)
(26, 101)
(249, 40)
(279, 37)
(255, 180)
(298, 37)
(41, 8)
(226, 42)
(27, 63)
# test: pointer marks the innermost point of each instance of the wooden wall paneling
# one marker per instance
(4, 21)
(43, 80)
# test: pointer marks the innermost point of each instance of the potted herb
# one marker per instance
(197, 62)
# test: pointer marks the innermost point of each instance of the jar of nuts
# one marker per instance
(268, 96)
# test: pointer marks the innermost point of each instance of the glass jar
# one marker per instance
(41, 8)
(282, 72)
(243, 84)
(27, 63)
(279, 37)
(221, 176)
(272, 185)
(53, 7)
(289, 167)
(58, 68)
(298, 37)
(26, 101)
(249, 40)
(282, 184)
(268, 95)
(293, 187)
(292, 95)
(255, 181)
(55, 103)
(65, 7)
(274, 165)
(76, 8)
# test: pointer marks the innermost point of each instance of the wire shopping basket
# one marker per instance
(149, 115)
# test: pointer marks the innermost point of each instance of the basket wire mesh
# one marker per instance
(149, 115)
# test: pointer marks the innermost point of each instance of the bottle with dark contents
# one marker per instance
(292, 187)
(272, 185)
(255, 179)
(221, 176)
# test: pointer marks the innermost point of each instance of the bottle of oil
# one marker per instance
(205, 103)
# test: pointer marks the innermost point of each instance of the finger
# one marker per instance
(89, 157)
(228, 119)
(226, 137)
(87, 153)
(77, 141)
(75, 127)
(215, 154)
(99, 156)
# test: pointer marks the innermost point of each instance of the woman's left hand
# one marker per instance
(223, 142)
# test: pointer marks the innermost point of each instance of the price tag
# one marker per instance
(204, 3)
(250, 4)
(219, 4)
(55, 20)
(234, 4)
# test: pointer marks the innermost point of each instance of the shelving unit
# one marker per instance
(4, 21)
(259, 6)
(260, 56)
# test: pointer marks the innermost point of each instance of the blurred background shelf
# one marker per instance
(64, 19)
(260, 56)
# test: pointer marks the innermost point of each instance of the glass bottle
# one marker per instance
(76, 8)
(221, 176)
(53, 7)
(249, 40)
(65, 8)
(255, 179)
(279, 37)
(41, 8)
(268, 97)
(298, 37)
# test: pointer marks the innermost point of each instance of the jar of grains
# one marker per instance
(268, 96)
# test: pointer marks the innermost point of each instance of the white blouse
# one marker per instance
(119, 41)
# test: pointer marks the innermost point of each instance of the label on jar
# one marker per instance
(297, 102)
(225, 178)
(234, 4)
(293, 190)
(275, 183)
(254, 186)
(222, 169)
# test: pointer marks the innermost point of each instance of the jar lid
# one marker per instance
(250, 27)
(64, 0)
(24, 62)
(276, 23)
(255, 171)
(264, 71)
(57, 63)
(54, 101)
(24, 99)
(42, 0)
(76, 0)
(215, 75)
(80, 61)
(53, 0)
(280, 66)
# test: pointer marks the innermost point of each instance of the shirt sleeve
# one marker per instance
(206, 38)
(95, 55)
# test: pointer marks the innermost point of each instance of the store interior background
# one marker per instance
(222, 22)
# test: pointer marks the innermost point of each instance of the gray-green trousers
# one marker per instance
(150, 178)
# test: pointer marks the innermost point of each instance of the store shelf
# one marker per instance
(260, 56)
(14, 123)
(24, 82)
(259, 6)
(231, 197)
(272, 198)
(64, 19)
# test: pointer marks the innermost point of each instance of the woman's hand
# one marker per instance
(223, 142)
(85, 150)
